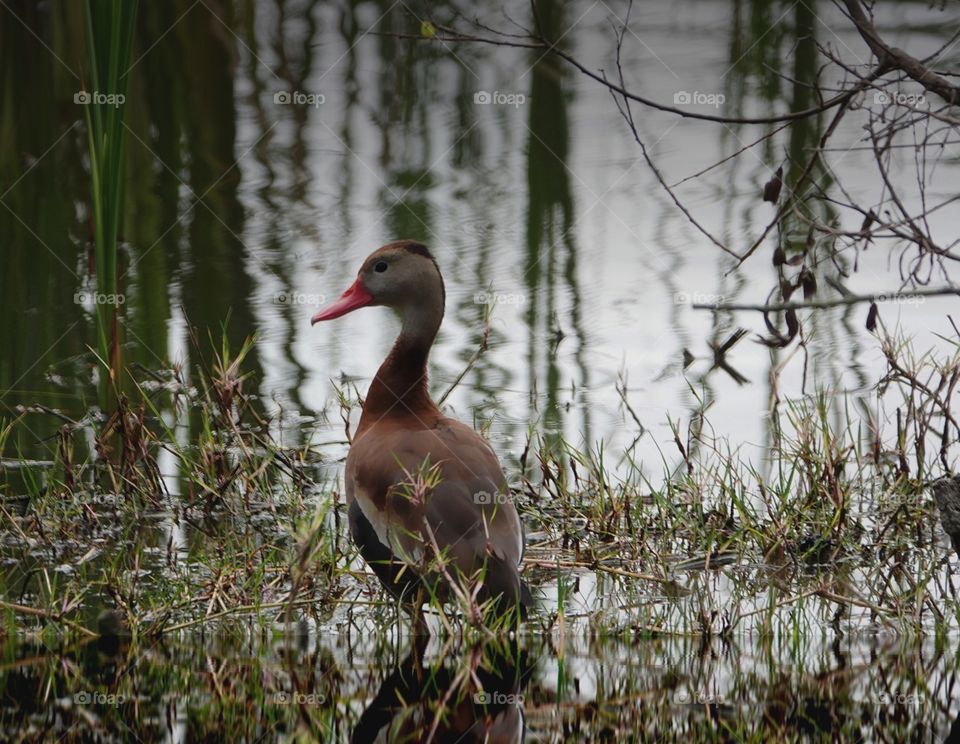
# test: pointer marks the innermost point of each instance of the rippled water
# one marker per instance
(239, 205)
(245, 210)
(235, 685)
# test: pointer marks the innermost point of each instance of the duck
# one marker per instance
(428, 504)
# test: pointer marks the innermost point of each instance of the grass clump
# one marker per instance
(188, 510)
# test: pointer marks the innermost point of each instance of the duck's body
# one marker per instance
(388, 519)
(428, 502)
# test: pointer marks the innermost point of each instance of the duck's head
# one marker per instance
(401, 275)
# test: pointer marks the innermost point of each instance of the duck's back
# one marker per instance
(405, 476)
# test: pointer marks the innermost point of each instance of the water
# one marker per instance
(236, 685)
(237, 203)
(248, 212)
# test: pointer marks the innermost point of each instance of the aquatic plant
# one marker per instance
(110, 27)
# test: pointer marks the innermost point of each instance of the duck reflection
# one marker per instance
(478, 698)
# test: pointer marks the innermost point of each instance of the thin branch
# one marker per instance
(536, 43)
(853, 299)
(896, 58)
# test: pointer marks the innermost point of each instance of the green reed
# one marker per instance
(110, 28)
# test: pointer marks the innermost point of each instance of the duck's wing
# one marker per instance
(462, 495)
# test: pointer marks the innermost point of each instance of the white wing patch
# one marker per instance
(397, 542)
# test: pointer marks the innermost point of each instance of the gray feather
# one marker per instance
(946, 492)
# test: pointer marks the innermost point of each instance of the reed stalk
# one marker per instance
(110, 28)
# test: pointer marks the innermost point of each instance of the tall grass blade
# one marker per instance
(110, 28)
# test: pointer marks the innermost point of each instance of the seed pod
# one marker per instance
(793, 325)
(809, 283)
(872, 317)
(771, 189)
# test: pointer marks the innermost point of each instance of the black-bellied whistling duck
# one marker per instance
(427, 499)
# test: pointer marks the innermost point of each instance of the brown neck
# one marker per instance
(399, 389)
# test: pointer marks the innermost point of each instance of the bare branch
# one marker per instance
(851, 299)
(896, 58)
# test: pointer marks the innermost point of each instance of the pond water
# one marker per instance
(274, 145)
(240, 686)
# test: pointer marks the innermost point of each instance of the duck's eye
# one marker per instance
(380, 267)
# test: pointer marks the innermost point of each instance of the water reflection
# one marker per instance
(234, 200)
(479, 700)
(551, 257)
(238, 685)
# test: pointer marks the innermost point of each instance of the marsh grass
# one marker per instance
(188, 511)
